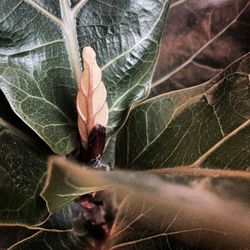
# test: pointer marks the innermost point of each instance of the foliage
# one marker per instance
(190, 147)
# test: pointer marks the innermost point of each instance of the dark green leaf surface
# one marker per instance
(10, 235)
(41, 42)
(61, 220)
(205, 126)
(190, 209)
(108, 158)
(22, 173)
(48, 241)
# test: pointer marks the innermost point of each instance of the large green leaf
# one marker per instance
(61, 189)
(49, 240)
(40, 61)
(206, 126)
(185, 209)
(22, 172)
(11, 235)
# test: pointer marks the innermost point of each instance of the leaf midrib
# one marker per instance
(204, 156)
(68, 27)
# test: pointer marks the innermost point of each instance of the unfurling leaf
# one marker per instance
(92, 107)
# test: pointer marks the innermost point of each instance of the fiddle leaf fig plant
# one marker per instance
(41, 44)
(87, 163)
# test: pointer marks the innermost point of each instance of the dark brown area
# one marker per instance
(11, 235)
(200, 39)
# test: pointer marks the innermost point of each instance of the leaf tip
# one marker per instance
(88, 55)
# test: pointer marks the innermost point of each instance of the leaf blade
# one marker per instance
(177, 128)
(45, 64)
(20, 187)
(190, 209)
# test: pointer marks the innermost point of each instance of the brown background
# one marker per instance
(201, 37)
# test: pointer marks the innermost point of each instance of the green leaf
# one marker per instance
(108, 158)
(63, 187)
(11, 235)
(205, 126)
(62, 220)
(50, 240)
(22, 172)
(40, 60)
(186, 208)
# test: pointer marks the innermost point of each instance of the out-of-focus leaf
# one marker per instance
(207, 126)
(40, 61)
(195, 217)
(200, 39)
(22, 172)
(60, 189)
(184, 210)
(64, 229)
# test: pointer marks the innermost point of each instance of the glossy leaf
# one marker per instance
(188, 208)
(22, 174)
(200, 39)
(205, 126)
(41, 42)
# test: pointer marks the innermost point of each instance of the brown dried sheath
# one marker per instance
(96, 144)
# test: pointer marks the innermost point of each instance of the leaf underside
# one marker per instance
(40, 59)
(59, 189)
(168, 211)
(205, 126)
